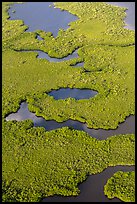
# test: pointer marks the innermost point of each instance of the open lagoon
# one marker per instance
(41, 16)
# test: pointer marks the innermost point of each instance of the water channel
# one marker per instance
(92, 189)
(44, 55)
(33, 13)
(23, 113)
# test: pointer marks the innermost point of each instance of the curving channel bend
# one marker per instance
(23, 113)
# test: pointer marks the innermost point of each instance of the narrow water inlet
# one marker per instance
(92, 190)
(44, 55)
(23, 113)
(39, 38)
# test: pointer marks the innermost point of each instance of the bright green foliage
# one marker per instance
(111, 73)
(122, 186)
(37, 163)
(99, 22)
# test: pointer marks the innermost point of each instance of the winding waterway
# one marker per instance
(79, 64)
(92, 189)
(23, 113)
(42, 16)
(44, 55)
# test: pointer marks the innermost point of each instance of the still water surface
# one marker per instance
(79, 64)
(23, 113)
(38, 15)
(64, 93)
(41, 16)
(92, 189)
(44, 55)
(130, 13)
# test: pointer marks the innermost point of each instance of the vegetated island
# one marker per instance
(36, 163)
(121, 185)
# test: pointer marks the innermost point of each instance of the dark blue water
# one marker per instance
(78, 94)
(40, 16)
(92, 190)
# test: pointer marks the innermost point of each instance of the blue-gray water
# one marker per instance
(79, 64)
(130, 13)
(23, 113)
(39, 16)
(92, 190)
(44, 55)
(64, 93)
(39, 38)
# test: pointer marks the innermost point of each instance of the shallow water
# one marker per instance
(92, 189)
(39, 38)
(39, 16)
(64, 93)
(79, 64)
(130, 18)
(33, 13)
(44, 55)
(23, 113)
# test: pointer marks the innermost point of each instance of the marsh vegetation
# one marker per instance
(39, 163)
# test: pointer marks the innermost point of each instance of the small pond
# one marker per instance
(23, 113)
(41, 16)
(64, 93)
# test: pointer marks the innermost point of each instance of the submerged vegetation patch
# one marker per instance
(38, 163)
